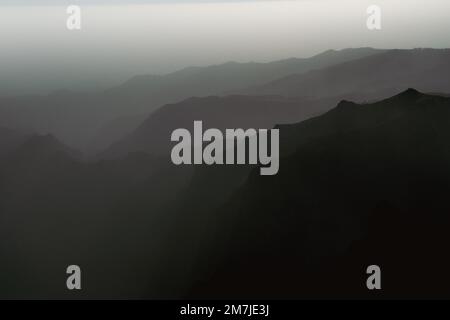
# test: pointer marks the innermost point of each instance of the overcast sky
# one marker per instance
(83, 2)
(39, 54)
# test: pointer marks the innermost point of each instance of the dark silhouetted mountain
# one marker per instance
(361, 184)
(370, 77)
(364, 184)
(76, 118)
(56, 209)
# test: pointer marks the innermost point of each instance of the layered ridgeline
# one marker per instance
(368, 78)
(295, 98)
(92, 121)
(82, 120)
(359, 185)
(261, 112)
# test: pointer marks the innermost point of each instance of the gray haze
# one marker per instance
(39, 55)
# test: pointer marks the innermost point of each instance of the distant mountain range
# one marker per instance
(216, 79)
(369, 77)
(76, 118)
(93, 121)
(295, 97)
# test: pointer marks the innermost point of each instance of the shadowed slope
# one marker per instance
(364, 184)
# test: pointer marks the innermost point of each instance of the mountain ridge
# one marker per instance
(383, 73)
(347, 198)
(63, 113)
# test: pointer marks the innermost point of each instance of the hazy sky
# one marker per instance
(39, 54)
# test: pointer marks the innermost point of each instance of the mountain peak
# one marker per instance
(409, 94)
(345, 104)
(410, 91)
